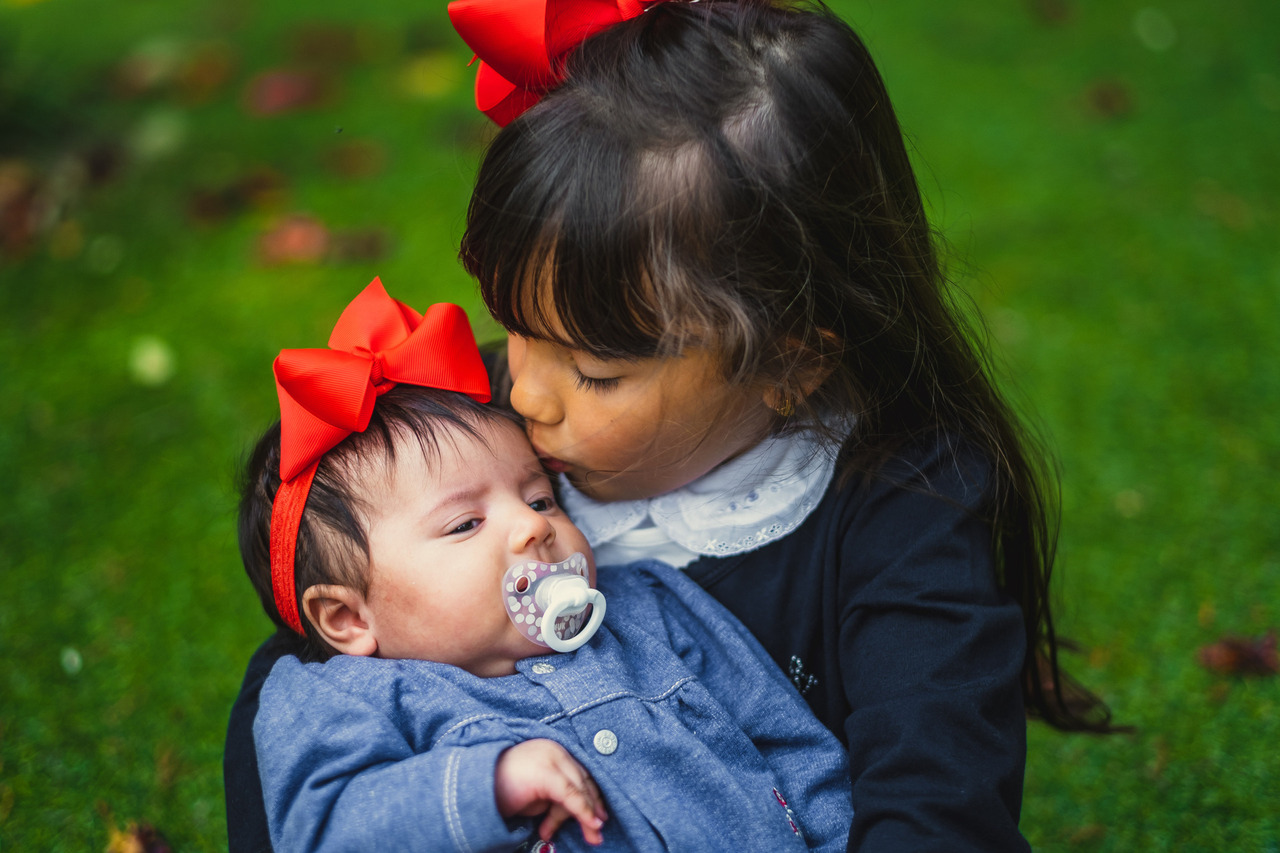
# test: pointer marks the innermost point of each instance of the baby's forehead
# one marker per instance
(448, 453)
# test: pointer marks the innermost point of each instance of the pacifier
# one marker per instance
(552, 603)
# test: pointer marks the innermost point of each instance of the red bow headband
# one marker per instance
(327, 394)
(521, 44)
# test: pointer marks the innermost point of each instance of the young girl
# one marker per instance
(412, 537)
(701, 227)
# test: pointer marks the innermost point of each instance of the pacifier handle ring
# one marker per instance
(548, 635)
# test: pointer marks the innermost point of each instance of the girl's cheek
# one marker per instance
(515, 355)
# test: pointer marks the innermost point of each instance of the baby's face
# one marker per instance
(442, 533)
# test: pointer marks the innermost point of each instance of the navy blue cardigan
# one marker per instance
(883, 609)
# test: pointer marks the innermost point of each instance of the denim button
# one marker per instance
(541, 668)
(605, 742)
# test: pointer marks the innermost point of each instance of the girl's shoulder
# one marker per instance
(942, 465)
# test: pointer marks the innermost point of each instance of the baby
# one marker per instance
(409, 531)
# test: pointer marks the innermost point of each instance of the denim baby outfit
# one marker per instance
(694, 736)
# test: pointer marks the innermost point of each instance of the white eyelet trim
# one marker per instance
(747, 502)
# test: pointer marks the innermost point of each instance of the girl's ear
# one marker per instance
(340, 614)
(804, 369)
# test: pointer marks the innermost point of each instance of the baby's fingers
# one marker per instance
(577, 798)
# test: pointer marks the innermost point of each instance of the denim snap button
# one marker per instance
(605, 742)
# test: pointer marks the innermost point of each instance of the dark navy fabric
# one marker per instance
(673, 708)
(884, 609)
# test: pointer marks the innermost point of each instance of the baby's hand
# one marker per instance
(541, 776)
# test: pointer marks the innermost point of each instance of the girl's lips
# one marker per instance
(553, 464)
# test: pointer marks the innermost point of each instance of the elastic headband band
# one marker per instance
(286, 518)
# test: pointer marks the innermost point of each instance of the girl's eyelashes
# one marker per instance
(591, 383)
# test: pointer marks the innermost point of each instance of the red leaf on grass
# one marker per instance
(1242, 655)
(19, 207)
(295, 240)
(275, 92)
(300, 239)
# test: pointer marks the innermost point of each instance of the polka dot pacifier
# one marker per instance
(550, 602)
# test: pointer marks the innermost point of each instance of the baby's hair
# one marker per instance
(333, 538)
(730, 174)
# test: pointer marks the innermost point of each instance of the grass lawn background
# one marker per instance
(1106, 174)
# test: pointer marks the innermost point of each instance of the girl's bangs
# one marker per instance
(576, 283)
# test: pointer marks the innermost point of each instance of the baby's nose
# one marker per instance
(533, 533)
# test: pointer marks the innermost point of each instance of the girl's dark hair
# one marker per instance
(333, 537)
(730, 174)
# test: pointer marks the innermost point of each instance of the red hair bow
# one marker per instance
(327, 394)
(521, 44)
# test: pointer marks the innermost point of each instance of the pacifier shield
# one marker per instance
(528, 610)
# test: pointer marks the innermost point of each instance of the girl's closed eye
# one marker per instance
(595, 374)
(593, 383)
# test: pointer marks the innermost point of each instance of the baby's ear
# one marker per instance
(338, 613)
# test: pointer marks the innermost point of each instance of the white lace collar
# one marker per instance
(745, 503)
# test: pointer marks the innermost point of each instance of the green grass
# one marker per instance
(1114, 212)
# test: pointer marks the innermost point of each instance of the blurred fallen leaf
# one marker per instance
(136, 838)
(1089, 833)
(1110, 99)
(327, 44)
(261, 188)
(282, 91)
(300, 239)
(151, 65)
(296, 239)
(19, 207)
(1159, 759)
(205, 72)
(357, 158)
(1228, 208)
(102, 162)
(361, 246)
(1242, 655)
(1051, 11)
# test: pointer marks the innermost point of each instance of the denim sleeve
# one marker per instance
(337, 774)
(809, 763)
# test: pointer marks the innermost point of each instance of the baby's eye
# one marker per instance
(542, 505)
(592, 383)
(469, 524)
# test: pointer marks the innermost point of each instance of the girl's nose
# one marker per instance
(532, 394)
(531, 533)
